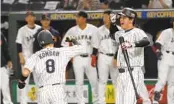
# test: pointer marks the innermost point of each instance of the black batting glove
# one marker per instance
(158, 54)
(68, 39)
(21, 84)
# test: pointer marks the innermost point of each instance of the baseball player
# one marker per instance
(165, 53)
(135, 41)
(107, 48)
(6, 66)
(24, 40)
(86, 34)
(48, 66)
(46, 21)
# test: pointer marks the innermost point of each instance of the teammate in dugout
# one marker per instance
(24, 40)
(106, 50)
(48, 67)
(86, 34)
(135, 41)
(165, 54)
(45, 21)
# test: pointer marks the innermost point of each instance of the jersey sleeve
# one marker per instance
(30, 63)
(95, 40)
(162, 38)
(168, 3)
(19, 37)
(140, 35)
(55, 32)
(68, 33)
(74, 50)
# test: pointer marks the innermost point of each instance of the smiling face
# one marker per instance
(126, 22)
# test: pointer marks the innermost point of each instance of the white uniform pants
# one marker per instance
(105, 68)
(125, 91)
(4, 85)
(83, 65)
(166, 75)
(23, 92)
(52, 94)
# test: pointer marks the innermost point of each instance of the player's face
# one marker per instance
(125, 22)
(106, 19)
(80, 20)
(30, 19)
(45, 23)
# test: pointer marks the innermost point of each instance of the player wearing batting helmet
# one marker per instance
(130, 60)
(48, 67)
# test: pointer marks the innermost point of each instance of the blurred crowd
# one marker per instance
(20, 5)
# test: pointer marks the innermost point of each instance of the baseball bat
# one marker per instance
(126, 57)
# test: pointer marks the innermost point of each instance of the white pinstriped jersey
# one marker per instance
(86, 37)
(136, 54)
(25, 36)
(106, 44)
(48, 65)
(166, 39)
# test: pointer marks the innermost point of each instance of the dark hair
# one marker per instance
(106, 2)
(82, 14)
(108, 12)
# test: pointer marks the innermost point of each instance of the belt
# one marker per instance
(122, 70)
(51, 84)
(170, 52)
(84, 55)
(108, 54)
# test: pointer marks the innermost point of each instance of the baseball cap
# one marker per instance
(128, 12)
(29, 13)
(82, 14)
(45, 16)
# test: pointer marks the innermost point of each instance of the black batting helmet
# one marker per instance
(128, 12)
(44, 38)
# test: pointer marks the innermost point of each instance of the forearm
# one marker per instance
(164, 4)
(142, 43)
(25, 74)
(158, 46)
(19, 48)
(95, 51)
(115, 56)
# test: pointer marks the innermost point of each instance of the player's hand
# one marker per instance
(21, 84)
(159, 54)
(113, 18)
(22, 60)
(9, 64)
(114, 63)
(93, 60)
(68, 39)
(127, 45)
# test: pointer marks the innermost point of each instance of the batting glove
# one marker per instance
(93, 60)
(113, 18)
(21, 84)
(127, 45)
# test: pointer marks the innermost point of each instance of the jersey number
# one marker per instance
(50, 66)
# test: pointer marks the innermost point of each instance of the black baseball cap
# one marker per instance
(45, 16)
(82, 14)
(29, 13)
